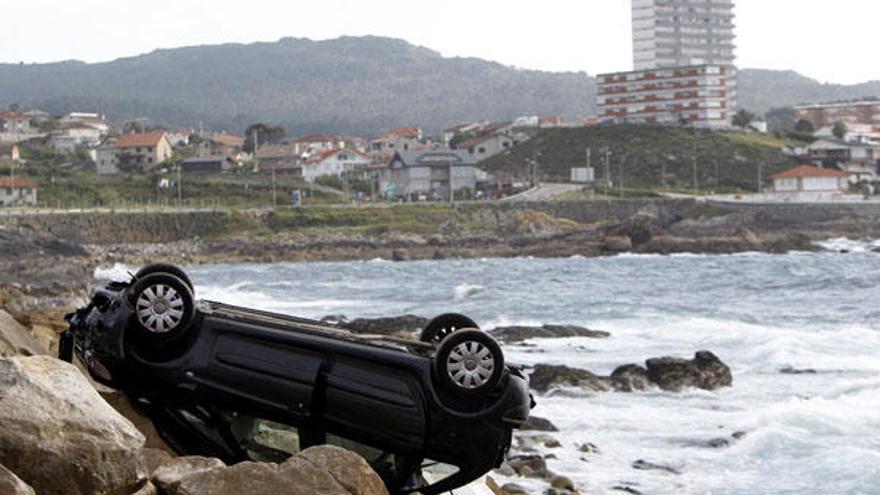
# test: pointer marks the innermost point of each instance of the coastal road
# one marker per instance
(545, 192)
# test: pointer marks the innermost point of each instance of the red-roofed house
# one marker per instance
(808, 178)
(334, 162)
(225, 145)
(15, 191)
(310, 144)
(400, 139)
(142, 150)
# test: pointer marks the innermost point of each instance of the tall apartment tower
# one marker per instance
(681, 33)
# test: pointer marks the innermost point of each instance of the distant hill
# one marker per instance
(357, 85)
(361, 85)
(761, 89)
(643, 152)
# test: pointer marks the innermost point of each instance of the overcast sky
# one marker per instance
(829, 41)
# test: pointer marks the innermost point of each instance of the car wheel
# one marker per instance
(469, 362)
(163, 307)
(166, 268)
(440, 326)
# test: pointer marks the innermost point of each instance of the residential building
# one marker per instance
(94, 120)
(178, 137)
(317, 143)
(679, 33)
(72, 136)
(9, 153)
(105, 158)
(217, 164)
(415, 174)
(855, 133)
(142, 150)
(400, 139)
(17, 191)
(224, 144)
(14, 122)
(858, 159)
(466, 128)
(699, 96)
(483, 147)
(283, 158)
(811, 179)
(334, 162)
(864, 113)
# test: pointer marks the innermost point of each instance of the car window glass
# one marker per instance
(200, 420)
(435, 472)
(263, 439)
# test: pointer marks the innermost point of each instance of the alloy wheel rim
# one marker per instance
(470, 364)
(160, 308)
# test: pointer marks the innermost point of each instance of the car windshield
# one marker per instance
(264, 440)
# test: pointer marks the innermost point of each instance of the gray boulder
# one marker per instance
(59, 436)
(15, 339)
(545, 377)
(514, 334)
(325, 469)
(704, 371)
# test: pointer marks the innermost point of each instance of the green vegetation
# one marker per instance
(725, 161)
(70, 180)
(375, 220)
(743, 118)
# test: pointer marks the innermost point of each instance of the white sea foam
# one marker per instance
(464, 291)
(117, 273)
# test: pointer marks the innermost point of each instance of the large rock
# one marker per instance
(380, 326)
(15, 339)
(10, 484)
(545, 377)
(513, 334)
(59, 436)
(325, 469)
(704, 371)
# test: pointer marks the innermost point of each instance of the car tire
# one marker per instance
(166, 268)
(163, 307)
(441, 326)
(469, 362)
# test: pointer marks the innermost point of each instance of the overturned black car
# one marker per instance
(429, 415)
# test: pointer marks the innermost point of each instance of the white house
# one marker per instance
(486, 146)
(17, 191)
(807, 178)
(334, 162)
(412, 174)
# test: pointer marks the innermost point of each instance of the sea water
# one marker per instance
(816, 432)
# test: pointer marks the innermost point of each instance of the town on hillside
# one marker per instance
(811, 152)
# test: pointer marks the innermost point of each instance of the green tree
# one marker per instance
(781, 119)
(839, 130)
(743, 118)
(804, 126)
(266, 134)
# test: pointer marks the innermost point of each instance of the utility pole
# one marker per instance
(760, 176)
(694, 156)
(179, 192)
(716, 175)
(12, 182)
(451, 187)
(607, 171)
(620, 174)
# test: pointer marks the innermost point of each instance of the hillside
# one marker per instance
(361, 85)
(358, 85)
(641, 152)
(760, 90)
